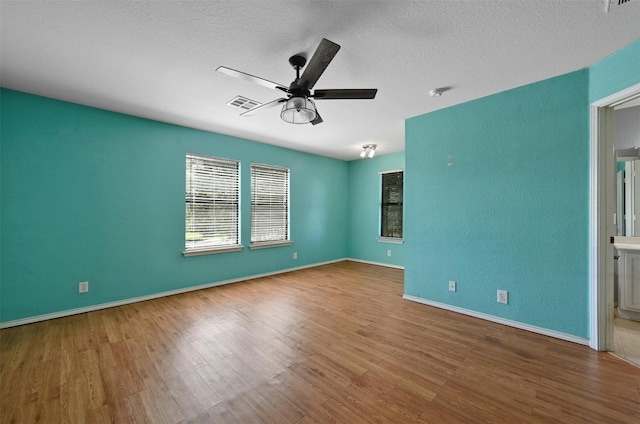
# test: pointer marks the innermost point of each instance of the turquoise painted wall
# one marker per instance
(91, 195)
(512, 211)
(616, 72)
(364, 210)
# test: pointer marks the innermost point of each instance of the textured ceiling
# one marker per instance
(157, 59)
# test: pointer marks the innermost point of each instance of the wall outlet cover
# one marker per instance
(83, 287)
(503, 296)
(452, 286)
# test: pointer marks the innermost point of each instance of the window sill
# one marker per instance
(265, 245)
(213, 250)
(393, 240)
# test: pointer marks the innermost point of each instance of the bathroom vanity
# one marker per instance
(628, 277)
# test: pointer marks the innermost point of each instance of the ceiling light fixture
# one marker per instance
(436, 92)
(298, 110)
(368, 151)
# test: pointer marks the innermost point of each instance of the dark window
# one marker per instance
(391, 204)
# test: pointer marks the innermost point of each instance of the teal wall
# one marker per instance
(91, 195)
(87, 194)
(615, 72)
(364, 210)
(512, 211)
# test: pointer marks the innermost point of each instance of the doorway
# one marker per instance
(626, 143)
(602, 217)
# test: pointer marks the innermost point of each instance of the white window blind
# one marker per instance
(269, 204)
(391, 204)
(212, 187)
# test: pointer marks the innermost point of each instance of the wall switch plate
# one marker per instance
(503, 296)
(452, 286)
(83, 287)
(388, 252)
(295, 255)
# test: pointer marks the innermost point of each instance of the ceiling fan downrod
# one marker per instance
(298, 62)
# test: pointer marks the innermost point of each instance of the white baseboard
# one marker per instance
(69, 312)
(375, 263)
(498, 320)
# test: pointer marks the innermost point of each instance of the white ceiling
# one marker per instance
(157, 59)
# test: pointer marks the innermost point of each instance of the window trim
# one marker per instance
(214, 249)
(267, 244)
(394, 240)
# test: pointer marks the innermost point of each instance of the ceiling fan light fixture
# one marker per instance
(298, 110)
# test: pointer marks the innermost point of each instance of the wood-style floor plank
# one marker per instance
(331, 344)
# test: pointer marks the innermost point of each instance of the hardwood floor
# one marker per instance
(332, 344)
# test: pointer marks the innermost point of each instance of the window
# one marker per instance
(269, 205)
(211, 205)
(391, 205)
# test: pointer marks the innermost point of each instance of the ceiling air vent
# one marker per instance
(243, 103)
(609, 4)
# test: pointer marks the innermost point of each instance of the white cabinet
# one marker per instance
(629, 277)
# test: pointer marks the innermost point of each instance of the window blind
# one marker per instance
(391, 204)
(212, 188)
(269, 203)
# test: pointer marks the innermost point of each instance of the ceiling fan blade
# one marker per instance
(318, 119)
(251, 78)
(356, 93)
(319, 61)
(264, 106)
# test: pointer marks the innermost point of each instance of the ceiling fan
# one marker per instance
(299, 108)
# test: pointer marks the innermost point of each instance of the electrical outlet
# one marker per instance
(452, 286)
(503, 296)
(295, 255)
(83, 287)
(388, 252)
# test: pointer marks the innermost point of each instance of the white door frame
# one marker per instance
(601, 218)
